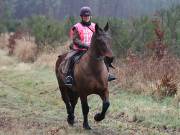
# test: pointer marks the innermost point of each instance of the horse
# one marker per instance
(90, 76)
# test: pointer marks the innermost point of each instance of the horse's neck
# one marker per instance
(91, 67)
(94, 60)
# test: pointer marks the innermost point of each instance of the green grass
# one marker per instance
(147, 109)
(28, 96)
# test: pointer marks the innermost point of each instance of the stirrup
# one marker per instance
(68, 81)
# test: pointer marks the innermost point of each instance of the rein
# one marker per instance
(90, 29)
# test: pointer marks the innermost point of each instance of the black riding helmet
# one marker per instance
(85, 11)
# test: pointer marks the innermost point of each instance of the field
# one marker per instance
(30, 103)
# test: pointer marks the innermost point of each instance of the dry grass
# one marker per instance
(150, 77)
(4, 40)
(49, 56)
(26, 51)
(46, 59)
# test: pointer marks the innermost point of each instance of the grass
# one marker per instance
(30, 103)
(146, 109)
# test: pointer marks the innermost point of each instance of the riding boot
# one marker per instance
(68, 81)
(111, 77)
(108, 62)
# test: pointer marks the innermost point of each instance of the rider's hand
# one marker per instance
(71, 46)
(86, 46)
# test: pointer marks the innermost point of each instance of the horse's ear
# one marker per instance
(96, 27)
(106, 27)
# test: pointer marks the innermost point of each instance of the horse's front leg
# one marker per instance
(106, 103)
(85, 110)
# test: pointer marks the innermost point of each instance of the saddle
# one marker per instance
(70, 60)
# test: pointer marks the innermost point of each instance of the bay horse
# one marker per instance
(90, 76)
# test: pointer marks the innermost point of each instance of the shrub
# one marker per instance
(4, 40)
(47, 31)
(26, 51)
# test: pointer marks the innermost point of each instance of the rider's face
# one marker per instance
(86, 18)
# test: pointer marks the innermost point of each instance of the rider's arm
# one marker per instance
(77, 41)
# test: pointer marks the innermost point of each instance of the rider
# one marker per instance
(81, 34)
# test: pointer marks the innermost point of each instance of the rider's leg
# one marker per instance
(69, 75)
(68, 79)
(108, 62)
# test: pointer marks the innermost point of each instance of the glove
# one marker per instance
(71, 46)
(86, 46)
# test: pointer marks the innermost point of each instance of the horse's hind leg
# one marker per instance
(73, 97)
(65, 97)
(85, 110)
(106, 103)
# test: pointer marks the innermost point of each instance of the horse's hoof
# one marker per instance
(98, 117)
(70, 120)
(86, 126)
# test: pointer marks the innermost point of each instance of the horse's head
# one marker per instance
(101, 41)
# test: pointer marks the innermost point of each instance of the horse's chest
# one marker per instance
(91, 83)
(91, 78)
